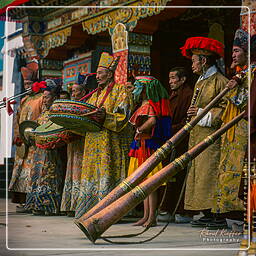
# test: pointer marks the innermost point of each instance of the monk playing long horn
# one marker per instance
(100, 222)
(144, 169)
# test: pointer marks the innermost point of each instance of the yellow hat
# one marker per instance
(106, 60)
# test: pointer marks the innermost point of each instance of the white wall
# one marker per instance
(8, 88)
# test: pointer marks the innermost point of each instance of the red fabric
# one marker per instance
(38, 85)
(204, 43)
(8, 105)
(142, 153)
(17, 141)
(121, 70)
(14, 3)
(145, 110)
(162, 107)
(245, 25)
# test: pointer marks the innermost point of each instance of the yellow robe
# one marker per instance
(233, 148)
(105, 159)
(203, 174)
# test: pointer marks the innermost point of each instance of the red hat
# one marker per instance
(30, 71)
(204, 46)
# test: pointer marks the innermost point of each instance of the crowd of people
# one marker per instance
(136, 119)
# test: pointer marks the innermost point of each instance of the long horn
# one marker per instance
(3, 103)
(101, 221)
(143, 170)
(34, 88)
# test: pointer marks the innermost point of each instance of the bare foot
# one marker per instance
(150, 223)
(140, 222)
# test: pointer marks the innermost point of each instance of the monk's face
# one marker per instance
(48, 99)
(28, 84)
(175, 81)
(197, 64)
(103, 76)
(239, 57)
(77, 92)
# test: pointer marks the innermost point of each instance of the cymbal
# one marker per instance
(25, 128)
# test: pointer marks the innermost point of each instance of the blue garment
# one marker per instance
(162, 132)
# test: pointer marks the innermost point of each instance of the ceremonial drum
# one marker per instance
(75, 115)
(51, 135)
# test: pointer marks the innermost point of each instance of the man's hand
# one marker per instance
(192, 111)
(232, 83)
(100, 115)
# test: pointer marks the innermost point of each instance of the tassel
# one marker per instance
(38, 85)
(8, 105)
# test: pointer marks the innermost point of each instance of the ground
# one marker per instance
(29, 235)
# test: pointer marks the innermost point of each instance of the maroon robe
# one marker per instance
(180, 101)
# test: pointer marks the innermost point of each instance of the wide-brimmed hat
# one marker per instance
(202, 46)
(25, 129)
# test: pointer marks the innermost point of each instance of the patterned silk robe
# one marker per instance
(46, 177)
(233, 151)
(105, 160)
(30, 109)
(71, 190)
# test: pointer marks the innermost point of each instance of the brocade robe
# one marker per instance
(46, 177)
(30, 109)
(105, 160)
(233, 151)
(71, 190)
(203, 173)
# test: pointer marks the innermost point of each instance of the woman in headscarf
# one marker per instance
(152, 121)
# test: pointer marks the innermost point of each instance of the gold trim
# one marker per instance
(54, 40)
(163, 151)
(131, 15)
(188, 127)
(180, 161)
(125, 186)
(138, 192)
(209, 140)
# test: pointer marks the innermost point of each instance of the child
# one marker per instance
(152, 121)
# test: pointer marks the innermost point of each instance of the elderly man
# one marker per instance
(203, 174)
(29, 109)
(105, 160)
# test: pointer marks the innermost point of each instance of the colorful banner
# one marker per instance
(72, 67)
